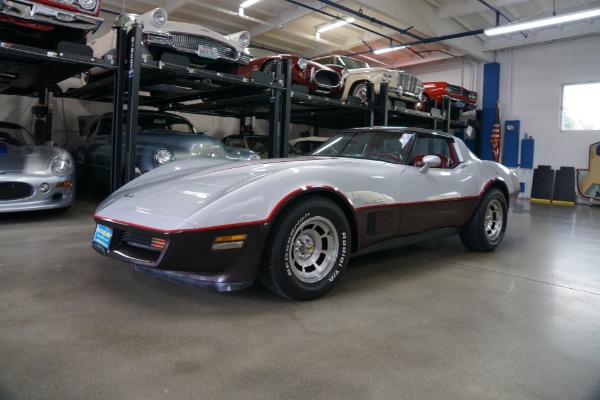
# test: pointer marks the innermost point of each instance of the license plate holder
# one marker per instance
(102, 237)
(207, 52)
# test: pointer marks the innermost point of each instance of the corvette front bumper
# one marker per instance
(192, 255)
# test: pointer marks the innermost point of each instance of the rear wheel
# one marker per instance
(307, 250)
(486, 228)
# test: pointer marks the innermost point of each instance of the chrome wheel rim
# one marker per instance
(494, 220)
(314, 249)
(361, 92)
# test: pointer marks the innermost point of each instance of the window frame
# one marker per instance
(561, 121)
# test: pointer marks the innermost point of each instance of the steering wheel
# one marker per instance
(386, 156)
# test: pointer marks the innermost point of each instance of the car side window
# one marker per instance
(433, 145)
(93, 131)
(102, 128)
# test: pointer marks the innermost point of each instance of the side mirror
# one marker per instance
(430, 161)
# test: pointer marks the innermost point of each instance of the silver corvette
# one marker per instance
(32, 176)
(294, 223)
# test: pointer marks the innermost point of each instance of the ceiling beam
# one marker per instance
(424, 16)
(471, 7)
(286, 17)
(174, 5)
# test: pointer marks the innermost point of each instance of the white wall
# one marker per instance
(530, 91)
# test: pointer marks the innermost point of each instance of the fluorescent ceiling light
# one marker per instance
(388, 49)
(248, 3)
(335, 25)
(555, 20)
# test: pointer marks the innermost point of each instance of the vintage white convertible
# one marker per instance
(294, 223)
(404, 90)
(203, 47)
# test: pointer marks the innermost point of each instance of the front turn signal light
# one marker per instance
(229, 242)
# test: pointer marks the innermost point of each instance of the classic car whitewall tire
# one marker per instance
(307, 250)
(359, 89)
(487, 226)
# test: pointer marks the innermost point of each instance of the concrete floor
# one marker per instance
(429, 321)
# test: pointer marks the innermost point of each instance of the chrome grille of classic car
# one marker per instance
(452, 89)
(190, 43)
(456, 90)
(15, 190)
(408, 82)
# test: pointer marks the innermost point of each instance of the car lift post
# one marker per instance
(274, 115)
(383, 104)
(370, 101)
(135, 56)
(116, 178)
(286, 106)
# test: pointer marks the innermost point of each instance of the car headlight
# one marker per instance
(159, 16)
(88, 4)
(163, 156)
(302, 63)
(61, 166)
(345, 73)
(254, 156)
(245, 39)
(387, 78)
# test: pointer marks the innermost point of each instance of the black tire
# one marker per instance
(269, 67)
(426, 104)
(307, 250)
(486, 228)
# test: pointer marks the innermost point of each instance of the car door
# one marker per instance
(439, 196)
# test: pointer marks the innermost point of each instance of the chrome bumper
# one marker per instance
(39, 13)
(167, 40)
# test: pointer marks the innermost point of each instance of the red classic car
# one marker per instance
(461, 98)
(318, 78)
(44, 23)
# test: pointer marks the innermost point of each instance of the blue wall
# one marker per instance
(491, 94)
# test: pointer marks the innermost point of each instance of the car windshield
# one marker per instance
(259, 144)
(256, 143)
(165, 123)
(376, 145)
(16, 135)
(350, 63)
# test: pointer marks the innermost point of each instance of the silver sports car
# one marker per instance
(32, 176)
(294, 223)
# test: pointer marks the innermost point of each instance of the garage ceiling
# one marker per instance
(290, 25)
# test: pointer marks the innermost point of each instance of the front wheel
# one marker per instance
(307, 250)
(487, 226)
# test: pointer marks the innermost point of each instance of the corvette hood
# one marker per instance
(167, 197)
(26, 159)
